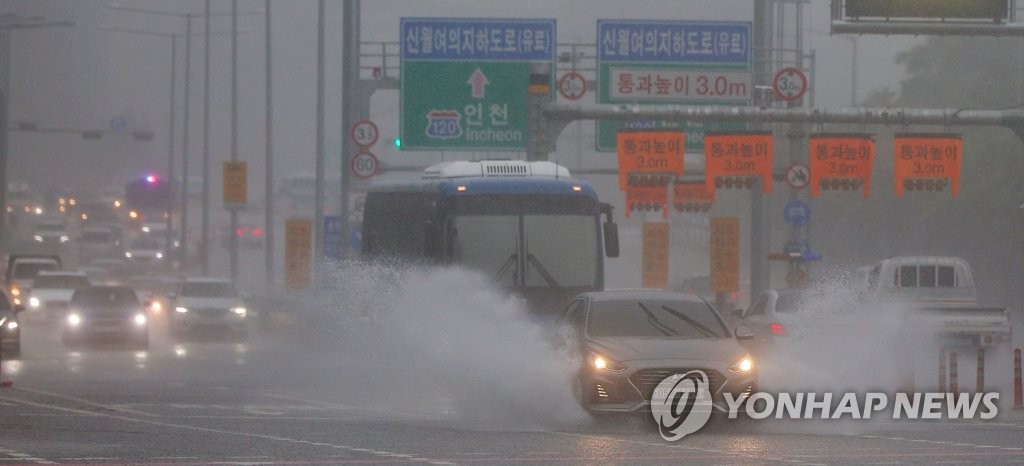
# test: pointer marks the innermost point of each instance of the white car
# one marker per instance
(209, 304)
(52, 291)
(145, 251)
(21, 274)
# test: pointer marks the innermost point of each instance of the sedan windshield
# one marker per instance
(64, 282)
(100, 299)
(654, 318)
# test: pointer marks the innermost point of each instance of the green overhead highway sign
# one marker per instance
(464, 81)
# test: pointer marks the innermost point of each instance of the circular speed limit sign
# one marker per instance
(790, 84)
(364, 165)
(364, 133)
(572, 85)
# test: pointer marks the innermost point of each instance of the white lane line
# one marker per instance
(85, 402)
(380, 453)
(174, 458)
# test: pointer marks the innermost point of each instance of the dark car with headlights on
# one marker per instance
(105, 313)
(632, 340)
(10, 330)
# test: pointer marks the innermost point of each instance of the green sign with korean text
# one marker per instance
(464, 81)
(657, 62)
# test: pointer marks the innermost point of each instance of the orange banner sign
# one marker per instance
(841, 156)
(928, 156)
(725, 254)
(655, 255)
(692, 196)
(647, 198)
(650, 152)
(738, 155)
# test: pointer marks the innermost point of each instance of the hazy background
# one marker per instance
(82, 77)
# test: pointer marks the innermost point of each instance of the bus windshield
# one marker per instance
(561, 250)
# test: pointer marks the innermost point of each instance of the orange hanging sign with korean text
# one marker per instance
(692, 192)
(646, 198)
(738, 155)
(650, 152)
(839, 156)
(928, 156)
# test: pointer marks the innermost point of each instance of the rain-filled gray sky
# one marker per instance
(82, 77)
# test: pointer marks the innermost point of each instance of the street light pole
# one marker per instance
(168, 246)
(233, 237)
(268, 224)
(8, 23)
(318, 204)
(205, 221)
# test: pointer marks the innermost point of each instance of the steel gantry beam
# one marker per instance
(555, 117)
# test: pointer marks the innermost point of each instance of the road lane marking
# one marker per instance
(379, 453)
(85, 402)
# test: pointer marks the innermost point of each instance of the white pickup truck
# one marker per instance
(942, 290)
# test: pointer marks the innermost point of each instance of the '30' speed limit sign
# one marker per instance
(365, 165)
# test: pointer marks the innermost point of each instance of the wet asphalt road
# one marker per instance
(267, 401)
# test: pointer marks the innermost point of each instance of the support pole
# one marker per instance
(1018, 392)
(942, 371)
(979, 386)
(954, 377)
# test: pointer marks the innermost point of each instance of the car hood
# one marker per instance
(225, 303)
(625, 349)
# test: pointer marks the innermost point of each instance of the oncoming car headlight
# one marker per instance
(140, 319)
(64, 238)
(37, 238)
(603, 363)
(743, 366)
(33, 302)
(12, 325)
(181, 310)
(240, 311)
(74, 319)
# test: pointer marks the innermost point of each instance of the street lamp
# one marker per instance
(206, 116)
(9, 22)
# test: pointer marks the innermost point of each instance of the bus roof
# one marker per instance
(495, 185)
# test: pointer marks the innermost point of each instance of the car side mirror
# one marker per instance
(737, 313)
(743, 332)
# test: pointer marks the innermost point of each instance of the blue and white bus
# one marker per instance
(529, 225)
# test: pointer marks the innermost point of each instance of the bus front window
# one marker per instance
(560, 250)
(487, 243)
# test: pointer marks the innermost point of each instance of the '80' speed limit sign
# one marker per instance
(365, 165)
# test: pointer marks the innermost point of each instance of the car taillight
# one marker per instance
(257, 232)
(240, 232)
(777, 328)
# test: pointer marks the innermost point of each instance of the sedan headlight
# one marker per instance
(139, 319)
(145, 229)
(64, 238)
(743, 366)
(239, 310)
(37, 238)
(34, 302)
(159, 255)
(74, 319)
(128, 254)
(603, 363)
(12, 325)
(181, 310)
